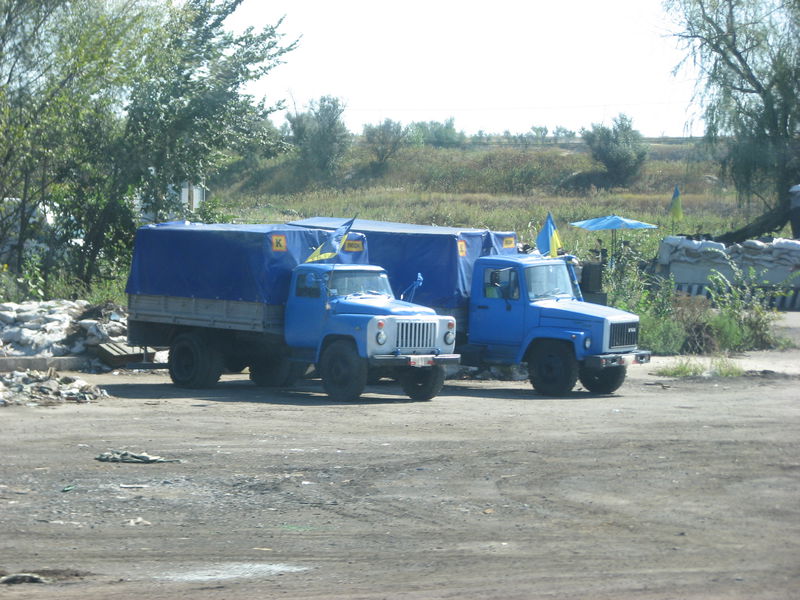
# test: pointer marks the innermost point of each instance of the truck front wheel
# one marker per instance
(193, 362)
(421, 383)
(602, 381)
(552, 368)
(343, 371)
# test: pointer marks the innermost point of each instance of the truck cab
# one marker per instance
(346, 320)
(526, 309)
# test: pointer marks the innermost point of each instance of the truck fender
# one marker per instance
(345, 326)
(329, 338)
(574, 337)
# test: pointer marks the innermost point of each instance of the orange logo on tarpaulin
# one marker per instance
(509, 242)
(354, 246)
(279, 243)
(462, 248)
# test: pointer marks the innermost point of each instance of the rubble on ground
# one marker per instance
(36, 388)
(58, 327)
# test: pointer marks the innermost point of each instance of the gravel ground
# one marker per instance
(667, 489)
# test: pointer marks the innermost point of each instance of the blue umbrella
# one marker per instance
(612, 222)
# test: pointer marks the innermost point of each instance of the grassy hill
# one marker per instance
(492, 185)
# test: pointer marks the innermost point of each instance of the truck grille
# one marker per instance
(415, 335)
(624, 334)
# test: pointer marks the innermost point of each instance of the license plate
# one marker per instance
(420, 361)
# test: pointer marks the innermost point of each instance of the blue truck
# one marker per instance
(224, 296)
(511, 308)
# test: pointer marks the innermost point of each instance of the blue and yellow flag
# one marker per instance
(330, 247)
(548, 242)
(675, 208)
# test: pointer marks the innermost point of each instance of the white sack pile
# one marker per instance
(35, 388)
(690, 262)
(58, 327)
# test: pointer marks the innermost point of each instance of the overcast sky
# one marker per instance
(493, 65)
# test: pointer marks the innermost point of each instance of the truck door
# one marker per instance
(304, 319)
(497, 312)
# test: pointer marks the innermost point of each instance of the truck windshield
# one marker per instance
(346, 283)
(548, 281)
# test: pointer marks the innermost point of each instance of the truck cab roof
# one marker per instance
(327, 267)
(510, 260)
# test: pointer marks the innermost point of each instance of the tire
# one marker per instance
(422, 383)
(276, 371)
(194, 362)
(343, 371)
(552, 368)
(602, 381)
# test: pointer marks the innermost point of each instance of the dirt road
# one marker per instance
(668, 489)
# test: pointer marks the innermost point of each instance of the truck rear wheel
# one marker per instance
(602, 381)
(193, 362)
(343, 371)
(552, 368)
(276, 371)
(421, 383)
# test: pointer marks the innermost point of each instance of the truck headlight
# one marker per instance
(587, 343)
(450, 334)
(380, 337)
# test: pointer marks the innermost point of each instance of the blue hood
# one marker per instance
(377, 305)
(558, 310)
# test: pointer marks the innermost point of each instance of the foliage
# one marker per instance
(189, 111)
(749, 62)
(619, 148)
(438, 134)
(737, 316)
(61, 61)
(104, 105)
(744, 318)
(386, 139)
(321, 137)
(719, 366)
(683, 367)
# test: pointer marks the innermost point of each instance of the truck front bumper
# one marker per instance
(414, 360)
(603, 361)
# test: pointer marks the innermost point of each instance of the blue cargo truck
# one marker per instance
(241, 296)
(511, 308)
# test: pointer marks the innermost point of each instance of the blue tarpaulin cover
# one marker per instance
(443, 255)
(226, 262)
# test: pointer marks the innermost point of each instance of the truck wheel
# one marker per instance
(421, 383)
(276, 371)
(602, 381)
(193, 362)
(552, 368)
(343, 371)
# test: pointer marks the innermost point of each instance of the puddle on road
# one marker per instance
(232, 571)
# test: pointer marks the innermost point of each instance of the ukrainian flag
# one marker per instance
(548, 242)
(330, 247)
(675, 207)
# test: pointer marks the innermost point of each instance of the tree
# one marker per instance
(320, 135)
(749, 62)
(386, 140)
(439, 135)
(562, 133)
(620, 149)
(189, 111)
(60, 60)
(104, 102)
